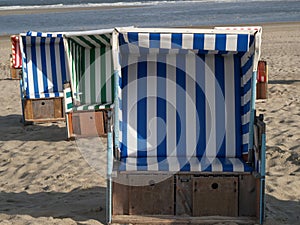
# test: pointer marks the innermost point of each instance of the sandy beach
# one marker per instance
(45, 179)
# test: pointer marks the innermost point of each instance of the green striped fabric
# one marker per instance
(90, 60)
(68, 99)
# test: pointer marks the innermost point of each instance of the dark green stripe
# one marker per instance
(96, 40)
(85, 41)
(82, 73)
(92, 75)
(106, 37)
(68, 94)
(69, 105)
(112, 82)
(103, 75)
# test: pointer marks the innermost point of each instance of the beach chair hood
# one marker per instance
(44, 64)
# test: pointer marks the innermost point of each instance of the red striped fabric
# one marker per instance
(16, 52)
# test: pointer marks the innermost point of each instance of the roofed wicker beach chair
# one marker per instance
(188, 148)
(89, 94)
(15, 58)
(44, 73)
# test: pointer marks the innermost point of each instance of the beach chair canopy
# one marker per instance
(44, 65)
(16, 52)
(184, 99)
(90, 63)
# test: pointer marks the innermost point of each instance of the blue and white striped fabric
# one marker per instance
(44, 65)
(184, 100)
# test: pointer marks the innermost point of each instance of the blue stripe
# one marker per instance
(242, 42)
(154, 40)
(220, 42)
(133, 37)
(44, 68)
(184, 164)
(34, 68)
(245, 128)
(220, 106)
(198, 41)
(142, 109)
(246, 108)
(226, 165)
(161, 109)
(247, 86)
(200, 107)
(238, 108)
(248, 65)
(176, 40)
(53, 65)
(180, 106)
(62, 61)
(124, 125)
(205, 164)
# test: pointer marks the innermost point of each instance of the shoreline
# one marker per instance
(40, 10)
(265, 25)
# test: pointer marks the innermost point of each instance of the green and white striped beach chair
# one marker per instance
(90, 92)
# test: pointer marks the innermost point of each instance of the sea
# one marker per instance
(140, 13)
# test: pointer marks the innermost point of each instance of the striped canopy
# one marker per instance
(90, 63)
(16, 52)
(44, 65)
(184, 98)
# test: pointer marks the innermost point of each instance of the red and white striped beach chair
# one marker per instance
(15, 58)
(188, 148)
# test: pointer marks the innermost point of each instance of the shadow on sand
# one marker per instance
(79, 205)
(11, 128)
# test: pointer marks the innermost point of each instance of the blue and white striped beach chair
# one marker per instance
(91, 85)
(188, 147)
(44, 73)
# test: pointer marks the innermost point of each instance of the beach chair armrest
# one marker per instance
(259, 144)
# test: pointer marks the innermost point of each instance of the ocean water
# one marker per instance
(149, 13)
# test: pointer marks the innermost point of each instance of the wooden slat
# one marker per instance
(165, 219)
(58, 108)
(28, 109)
(247, 195)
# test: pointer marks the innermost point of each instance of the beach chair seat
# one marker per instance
(184, 164)
(91, 83)
(44, 73)
(184, 127)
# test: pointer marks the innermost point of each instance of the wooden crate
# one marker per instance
(191, 197)
(215, 196)
(155, 198)
(43, 110)
(87, 123)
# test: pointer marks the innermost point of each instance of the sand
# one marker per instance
(45, 179)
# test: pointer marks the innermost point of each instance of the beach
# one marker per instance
(45, 179)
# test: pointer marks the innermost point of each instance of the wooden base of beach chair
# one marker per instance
(188, 197)
(169, 219)
(43, 110)
(15, 74)
(87, 124)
